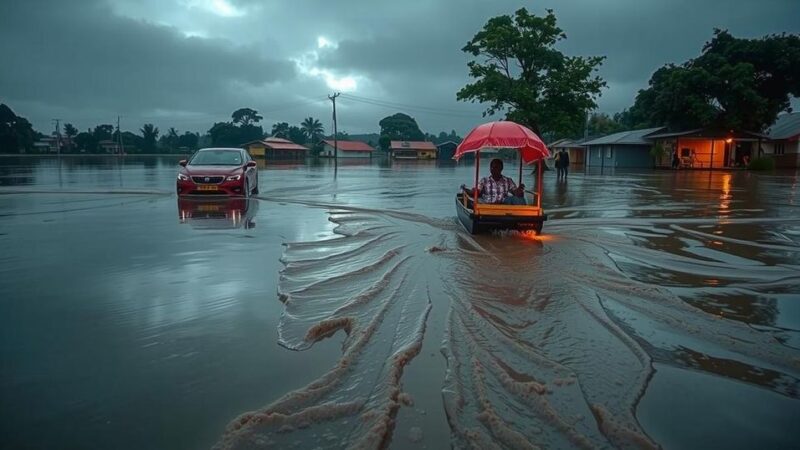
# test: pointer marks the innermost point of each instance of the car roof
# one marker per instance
(220, 148)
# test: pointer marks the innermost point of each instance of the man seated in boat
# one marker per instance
(498, 189)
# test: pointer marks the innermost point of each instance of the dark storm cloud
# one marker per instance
(89, 58)
(132, 55)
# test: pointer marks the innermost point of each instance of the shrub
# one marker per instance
(763, 163)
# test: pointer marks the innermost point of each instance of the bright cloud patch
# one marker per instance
(307, 64)
(219, 7)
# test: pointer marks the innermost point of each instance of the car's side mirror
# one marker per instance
(251, 164)
(182, 163)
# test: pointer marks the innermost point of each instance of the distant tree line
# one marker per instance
(17, 135)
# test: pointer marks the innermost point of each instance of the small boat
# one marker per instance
(482, 217)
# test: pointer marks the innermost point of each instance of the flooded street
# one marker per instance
(658, 309)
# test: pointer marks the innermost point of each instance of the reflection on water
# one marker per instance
(216, 213)
(648, 293)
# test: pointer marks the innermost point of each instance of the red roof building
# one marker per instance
(413, 149)
(347, 149)
(275, 148)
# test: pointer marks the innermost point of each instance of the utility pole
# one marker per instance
(335, 132)
(58, 135)
(119, 139)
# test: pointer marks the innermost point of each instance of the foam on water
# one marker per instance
(549, 343)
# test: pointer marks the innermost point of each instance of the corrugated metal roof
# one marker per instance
(709, 133)
(282, 144)
(786, 126)
(634, 137)
(350, 146)
(412, 145)
(447, 142)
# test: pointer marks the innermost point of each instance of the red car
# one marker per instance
(218, 171)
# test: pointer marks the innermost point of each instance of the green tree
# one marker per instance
(103, 132)
(85, 141)
(246, 116)
(384, 142)
(296, 135)
(401, 127)
(281, 130)
(601, 124)
(16, 133)
(313, 129)
(520, 71)
(224, 134)
(734, 84)
(150, 134)
(188, 140)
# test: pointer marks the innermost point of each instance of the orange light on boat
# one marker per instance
(729, 140)
(531, 236)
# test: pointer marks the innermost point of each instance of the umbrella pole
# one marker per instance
(539, 183)
(475, 186)
(520, 168)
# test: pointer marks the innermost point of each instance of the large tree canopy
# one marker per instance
(246, 116)
(734, 84)
(399, 127)
(16, 133)
(519, 70)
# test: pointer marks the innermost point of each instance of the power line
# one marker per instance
(424, 110)
(404, 105)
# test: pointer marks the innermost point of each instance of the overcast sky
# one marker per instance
(189, 63)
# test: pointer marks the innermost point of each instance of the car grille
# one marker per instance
(207, 180)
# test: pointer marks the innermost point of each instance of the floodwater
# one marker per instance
(658, 309)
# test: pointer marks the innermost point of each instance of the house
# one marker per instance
(109, 146)
(574, 148)
(446, 150)
(413, 150)
(785, 140)
(346, 149)
(707, 148)
(626, 149)
(275, 148)
(47, 144)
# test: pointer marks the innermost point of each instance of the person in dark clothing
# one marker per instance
(676, 161)
(564, 163)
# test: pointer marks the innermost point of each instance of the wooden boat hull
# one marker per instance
(523, 220)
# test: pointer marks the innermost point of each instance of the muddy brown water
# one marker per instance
(658, 309)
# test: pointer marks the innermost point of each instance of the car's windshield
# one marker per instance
(217, 158)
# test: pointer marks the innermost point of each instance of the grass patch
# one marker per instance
(763, 163)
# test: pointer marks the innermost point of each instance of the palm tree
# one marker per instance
(313, 129)
(281, 130)
(150, 134)
(70, 131)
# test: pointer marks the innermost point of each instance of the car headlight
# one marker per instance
(183, 177)
(234, 178)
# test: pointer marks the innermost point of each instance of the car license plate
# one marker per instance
(207, 188)
(208, 208)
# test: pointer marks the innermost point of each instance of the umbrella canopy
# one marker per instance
(504, 134)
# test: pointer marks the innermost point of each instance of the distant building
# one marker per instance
(347, 149)
(626, 149)
(706, 148)
(785, 140)
(109, 146)
(574, 148)
(413, 150)
(47, 144)
(446, 150)
(275, 148)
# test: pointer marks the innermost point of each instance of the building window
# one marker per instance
(609, 152)
(780, 149)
